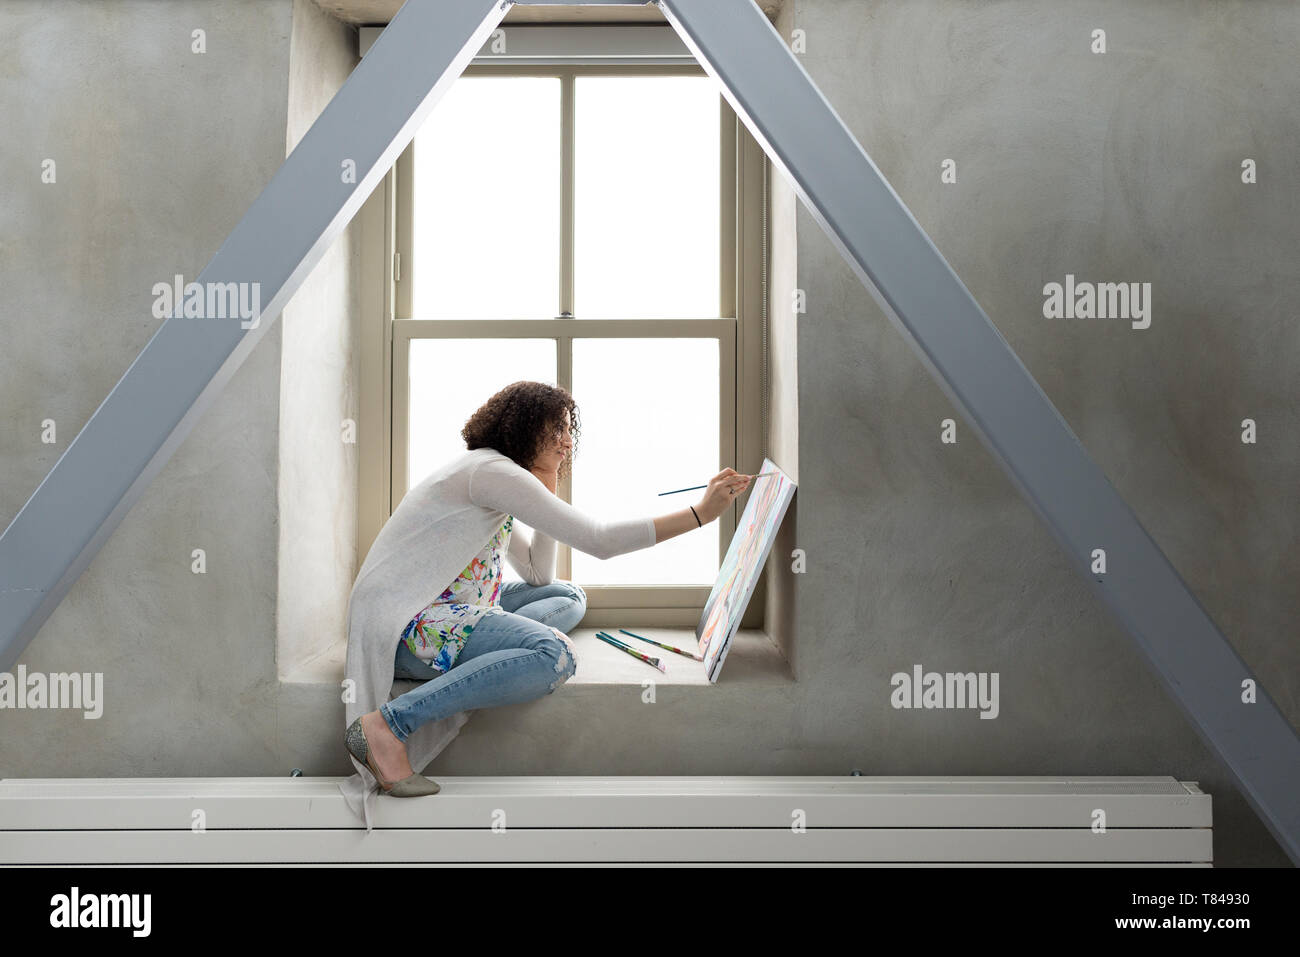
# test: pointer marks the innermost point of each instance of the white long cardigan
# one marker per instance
(432, 535)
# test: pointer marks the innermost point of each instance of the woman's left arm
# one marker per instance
(509, 487)
(532, 556)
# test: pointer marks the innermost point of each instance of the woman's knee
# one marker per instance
(566, 606)
(577, 595)
(578, 609)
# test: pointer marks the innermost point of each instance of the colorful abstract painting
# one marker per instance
(769, 497)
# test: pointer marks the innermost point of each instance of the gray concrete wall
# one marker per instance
(159, 152)
(318, 388)
(1115, 167)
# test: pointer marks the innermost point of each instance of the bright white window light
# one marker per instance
(646, 197)
(451, 378)
(486, 191)
(649, 424)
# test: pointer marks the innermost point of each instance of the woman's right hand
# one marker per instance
(722, 491)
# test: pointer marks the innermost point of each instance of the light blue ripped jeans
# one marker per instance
(511, 656)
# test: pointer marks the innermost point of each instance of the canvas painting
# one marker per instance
(769, 498)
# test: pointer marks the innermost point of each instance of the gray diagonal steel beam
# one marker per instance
(187, 362)
(931, 307)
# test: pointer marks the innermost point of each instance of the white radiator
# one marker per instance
(944, 821)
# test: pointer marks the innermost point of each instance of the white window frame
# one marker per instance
(387, 326)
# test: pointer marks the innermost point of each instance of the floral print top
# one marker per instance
(438, 632)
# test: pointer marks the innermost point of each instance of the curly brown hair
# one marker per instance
(518, 422)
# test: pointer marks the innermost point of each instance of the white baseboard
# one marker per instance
(909, 821)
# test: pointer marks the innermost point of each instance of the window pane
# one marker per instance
(649, 410)
(486, 229)
(646, 170)
(450, 379)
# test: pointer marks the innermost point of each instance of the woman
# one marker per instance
(481, 642)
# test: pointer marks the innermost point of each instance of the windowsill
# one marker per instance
(753, 657)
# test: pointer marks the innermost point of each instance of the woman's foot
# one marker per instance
(386, 751)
